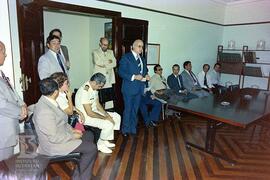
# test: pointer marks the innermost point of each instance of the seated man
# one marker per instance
(215, 78)
(158, 84)
(86, 100)
(190, 81)
(150, 117)
(204, 79)
(56, 137)
(175, 83)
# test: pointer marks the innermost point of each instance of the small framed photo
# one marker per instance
(153, 54)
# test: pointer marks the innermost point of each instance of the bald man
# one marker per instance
(104, 62)
(12, 109)
(133, 71)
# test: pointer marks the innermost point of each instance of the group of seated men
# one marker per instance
(184, 86)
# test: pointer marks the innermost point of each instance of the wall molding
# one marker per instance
(185, 17)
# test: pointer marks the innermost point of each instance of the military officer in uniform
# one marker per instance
(87, 102)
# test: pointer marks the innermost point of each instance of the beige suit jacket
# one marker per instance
(54, 133)
(157, 83)
(102, 65)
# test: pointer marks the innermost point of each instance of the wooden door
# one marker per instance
(30, 21)
(128, 31)
(31, 35)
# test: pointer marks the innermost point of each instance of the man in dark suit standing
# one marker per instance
(133, 71)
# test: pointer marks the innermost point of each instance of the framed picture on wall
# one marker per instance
(108, 33)
(153, 54)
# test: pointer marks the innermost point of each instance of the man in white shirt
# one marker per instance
(215, 74)
(87, 102)
(215, 77)
(204, 79)
(52, 61)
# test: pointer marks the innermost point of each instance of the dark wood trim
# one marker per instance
(181, 16)
(161, 12)
(80, 10)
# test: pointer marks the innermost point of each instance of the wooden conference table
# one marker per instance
(246, 106)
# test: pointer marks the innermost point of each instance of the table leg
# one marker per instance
(210, 142)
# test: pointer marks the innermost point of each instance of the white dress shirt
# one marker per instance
(215, 77)
(136, 56)
(201, 80)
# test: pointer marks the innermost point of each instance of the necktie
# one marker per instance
(205, 81)
(178, 80)
(7, 80)
(162, 80)
(191, 74)
(139, 63)
(60, 62)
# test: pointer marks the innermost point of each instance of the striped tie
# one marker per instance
(139, 63)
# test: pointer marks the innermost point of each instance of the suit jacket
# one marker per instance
(173, 82)
(101, 59)
(10, 111)
(157, 82)
(188, 82)
(54, 133)
(64, 52)
(128, 67)
(48, 64)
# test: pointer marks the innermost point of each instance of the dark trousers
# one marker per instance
(219, 89)
(154, 113)
(129, 122)
(89, 154)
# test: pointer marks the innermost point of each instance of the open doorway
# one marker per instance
(81, 34)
